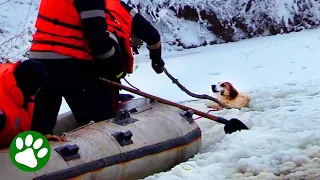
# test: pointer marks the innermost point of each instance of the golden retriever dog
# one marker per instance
(228, 95)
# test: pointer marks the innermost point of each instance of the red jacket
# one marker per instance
(58, 22)
(119, 22)
(18, 119)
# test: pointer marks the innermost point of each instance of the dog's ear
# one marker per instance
(233, 93)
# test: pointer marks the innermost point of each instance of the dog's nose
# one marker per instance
(214, 88)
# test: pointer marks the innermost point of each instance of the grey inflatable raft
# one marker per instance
(146, 138)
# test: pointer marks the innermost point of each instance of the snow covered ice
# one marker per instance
(281, 76)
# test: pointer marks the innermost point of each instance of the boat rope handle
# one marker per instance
(65, 133)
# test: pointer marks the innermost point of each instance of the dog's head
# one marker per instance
(225, 89)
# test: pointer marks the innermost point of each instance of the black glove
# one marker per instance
(135, 50)
(3, 120)
(156, 61)
(116, 68)
(112, 67)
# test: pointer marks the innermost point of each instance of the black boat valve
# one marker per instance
(123, 138)
(123, 118)
(188, 115)
(68, 152)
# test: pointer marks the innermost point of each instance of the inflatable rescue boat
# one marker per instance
(146, 137)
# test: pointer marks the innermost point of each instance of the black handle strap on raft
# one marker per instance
(123, 138)
(123, 118)
(68, 152)
(187, 115)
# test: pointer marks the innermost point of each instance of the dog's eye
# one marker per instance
(223, 85)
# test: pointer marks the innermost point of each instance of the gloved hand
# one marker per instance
(156, 61)
(112, 67)
(115, 68)
(135, 50)
(158, 65)
(3, 120)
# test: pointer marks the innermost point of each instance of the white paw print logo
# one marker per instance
(27, 157)
(30, 155)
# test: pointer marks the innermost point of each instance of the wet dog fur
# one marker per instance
(228, 95)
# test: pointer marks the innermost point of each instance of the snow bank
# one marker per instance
(17, 19)
(182, 24)
(226, 20)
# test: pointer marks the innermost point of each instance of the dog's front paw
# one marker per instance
(214, 106)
